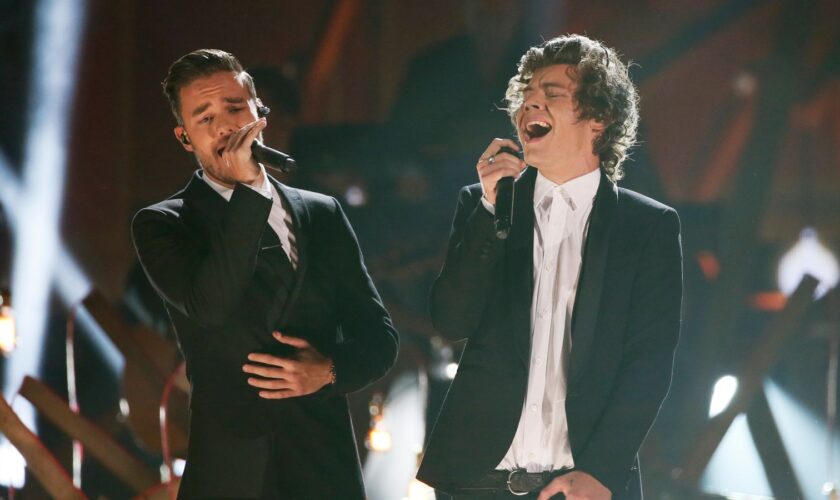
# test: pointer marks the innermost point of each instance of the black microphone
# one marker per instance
(272, 158)
(504, 202)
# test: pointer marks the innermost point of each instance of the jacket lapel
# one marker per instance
(590, 285)
(519, 257)
(300, 220)
(205, 201)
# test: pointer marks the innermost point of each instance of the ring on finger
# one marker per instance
(491, 160)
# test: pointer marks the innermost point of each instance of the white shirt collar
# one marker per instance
(227, 192)
(580, 190)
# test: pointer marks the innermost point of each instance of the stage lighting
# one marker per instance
(8, 335)
(724, 391)
(378, 438)
(808, 256)
(55, 48)
(451, 370)
(355, 196)
(417, 490)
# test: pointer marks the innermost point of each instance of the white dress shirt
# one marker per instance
(561, 212)
(279, 218)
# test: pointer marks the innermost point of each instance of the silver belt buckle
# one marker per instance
(510, 488)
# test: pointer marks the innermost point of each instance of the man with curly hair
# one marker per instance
(572, 321)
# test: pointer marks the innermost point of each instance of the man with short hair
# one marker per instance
(273, 308)
(572, 321)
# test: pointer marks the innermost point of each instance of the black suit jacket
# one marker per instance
(205, 258)
(624, 331)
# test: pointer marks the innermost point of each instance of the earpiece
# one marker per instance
(184, 139)
(263, 110)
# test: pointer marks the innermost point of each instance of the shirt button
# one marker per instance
(533, 408)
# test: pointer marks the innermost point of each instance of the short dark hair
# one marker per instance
(604, 93)
(199, 64)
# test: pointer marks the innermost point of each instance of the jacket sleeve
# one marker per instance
(369, 343)
(462, 290)
(647, 360)
(202, 282)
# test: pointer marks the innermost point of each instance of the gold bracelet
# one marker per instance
(332, 373)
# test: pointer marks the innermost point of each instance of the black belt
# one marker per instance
(518, 481)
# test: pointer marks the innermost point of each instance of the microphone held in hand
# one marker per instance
(272, 158)
(504, 202)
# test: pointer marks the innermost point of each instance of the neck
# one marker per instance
(215, 179)
(559, 173)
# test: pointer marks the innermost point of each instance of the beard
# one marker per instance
(210, 166)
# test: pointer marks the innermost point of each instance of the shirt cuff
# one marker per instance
(488, 206)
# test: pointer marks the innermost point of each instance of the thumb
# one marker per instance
(292, 341)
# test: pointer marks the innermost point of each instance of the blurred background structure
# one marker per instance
(386, 104)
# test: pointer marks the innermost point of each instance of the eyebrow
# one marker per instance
(547, 85)
(230, 100)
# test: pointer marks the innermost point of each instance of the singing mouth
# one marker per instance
(536, 129)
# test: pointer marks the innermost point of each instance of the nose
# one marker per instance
(225, 125)
(533, 102)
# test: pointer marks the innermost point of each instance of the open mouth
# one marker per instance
(536, 129)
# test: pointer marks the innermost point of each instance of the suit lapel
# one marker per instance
(590, 285)
(519, 257)
(207, 202)
(300, 220)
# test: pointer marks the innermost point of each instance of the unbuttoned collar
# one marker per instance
(578, 192)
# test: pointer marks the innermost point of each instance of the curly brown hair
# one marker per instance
(604, 93)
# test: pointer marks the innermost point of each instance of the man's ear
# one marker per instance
(183, 138)
(597, 127)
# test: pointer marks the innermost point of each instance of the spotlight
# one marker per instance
(808, 256)
(8, 334)
(378, 438)
(355, 196)
(724, 391)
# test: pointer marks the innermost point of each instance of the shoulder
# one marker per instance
(169, 209)
(637, 205)
(471, 194)
(314, 199)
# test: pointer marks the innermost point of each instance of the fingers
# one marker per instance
(494, 165)
(266, 371)
(292, 341)
(278, 394)
(246, 135)
(273, 384)
(268, 359)
(498, 144)
(557, 485)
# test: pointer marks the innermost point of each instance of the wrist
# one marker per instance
(330, 373)
(256, 181)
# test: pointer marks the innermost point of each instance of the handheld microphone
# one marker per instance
(272, 158)
(503, 217)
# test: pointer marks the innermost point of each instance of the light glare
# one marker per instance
(724, 391)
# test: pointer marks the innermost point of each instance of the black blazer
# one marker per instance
(624, 331)
(205, 258)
